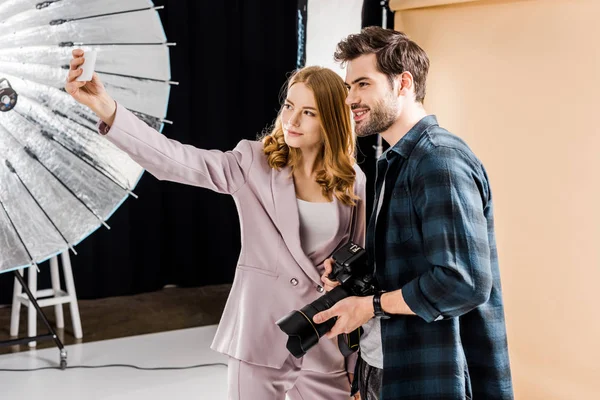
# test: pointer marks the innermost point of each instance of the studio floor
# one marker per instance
(179, 348)
(169, 328)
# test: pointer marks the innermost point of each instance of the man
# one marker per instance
(436, 330)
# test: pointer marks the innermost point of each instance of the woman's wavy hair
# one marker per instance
(337, 175)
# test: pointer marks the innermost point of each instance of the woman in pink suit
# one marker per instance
(299, 195)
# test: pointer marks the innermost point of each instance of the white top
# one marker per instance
(371, 346)
(318, 224)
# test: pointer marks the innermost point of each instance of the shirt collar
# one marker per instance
(408, 142)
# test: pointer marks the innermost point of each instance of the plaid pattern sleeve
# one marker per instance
(449, 192)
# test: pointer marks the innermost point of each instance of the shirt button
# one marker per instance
(294, 281)
(320, 289)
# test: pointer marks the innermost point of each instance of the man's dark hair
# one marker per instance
(394, 51)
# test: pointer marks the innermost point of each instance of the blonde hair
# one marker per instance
(337, 154)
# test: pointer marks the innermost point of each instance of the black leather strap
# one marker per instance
(377, 310)
(349, 343)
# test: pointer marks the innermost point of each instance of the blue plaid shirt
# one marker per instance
(434, 239)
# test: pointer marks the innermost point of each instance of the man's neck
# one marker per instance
(409, 118)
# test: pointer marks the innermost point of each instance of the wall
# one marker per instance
(519, 81)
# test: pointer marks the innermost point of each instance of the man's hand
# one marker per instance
(328, 284)
(351, 313)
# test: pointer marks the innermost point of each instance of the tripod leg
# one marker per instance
(63, 352)
(16, 309)
(31, 317)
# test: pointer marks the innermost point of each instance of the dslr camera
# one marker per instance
(351, 269)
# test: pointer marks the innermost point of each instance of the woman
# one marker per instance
(299, 197)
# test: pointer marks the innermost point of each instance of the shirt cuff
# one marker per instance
(416, 301)
(102, 127)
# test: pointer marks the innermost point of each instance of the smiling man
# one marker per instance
(436, 329)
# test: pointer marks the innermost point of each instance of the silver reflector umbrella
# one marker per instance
(59, 180)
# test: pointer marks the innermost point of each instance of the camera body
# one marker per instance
(351, 269)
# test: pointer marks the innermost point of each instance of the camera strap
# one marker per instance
(348, 342)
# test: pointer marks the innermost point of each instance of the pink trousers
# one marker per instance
(253, 382)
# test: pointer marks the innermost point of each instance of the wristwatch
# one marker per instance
(377, 310)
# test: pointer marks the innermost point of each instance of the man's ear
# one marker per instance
(405, 83)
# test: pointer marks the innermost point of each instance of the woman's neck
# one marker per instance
(309, 163)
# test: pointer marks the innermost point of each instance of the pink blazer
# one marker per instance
(273, 275)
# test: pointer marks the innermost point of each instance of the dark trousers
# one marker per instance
(369, 380)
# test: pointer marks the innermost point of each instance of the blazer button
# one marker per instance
(320, 289)
(294, 281)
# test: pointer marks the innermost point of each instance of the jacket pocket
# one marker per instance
(401, 220)
(258, 270)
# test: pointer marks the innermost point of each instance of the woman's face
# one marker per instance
(300, 119)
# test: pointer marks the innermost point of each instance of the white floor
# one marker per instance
(168, 349)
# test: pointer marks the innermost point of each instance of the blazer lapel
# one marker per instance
(346, 219)
(288, 219)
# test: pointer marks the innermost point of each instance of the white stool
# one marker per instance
(49, 297)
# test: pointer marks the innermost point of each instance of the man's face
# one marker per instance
(373, 100)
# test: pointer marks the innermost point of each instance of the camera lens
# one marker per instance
(299, 326)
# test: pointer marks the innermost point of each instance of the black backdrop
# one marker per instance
(231, 59)
(371, 16)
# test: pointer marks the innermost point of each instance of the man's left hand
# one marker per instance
(351, 313)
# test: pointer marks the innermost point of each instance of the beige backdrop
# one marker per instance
(520, 80)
